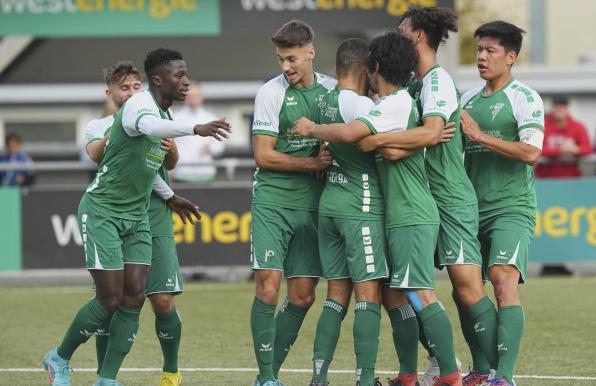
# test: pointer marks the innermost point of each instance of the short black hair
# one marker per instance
(294, 33)
(436, 22)
(508, 35)
(12, 137)
(119, 71)
(351, 56)
(560, 99)
(158, 58)
(396, 56)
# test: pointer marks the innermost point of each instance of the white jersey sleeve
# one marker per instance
(390, 114)
(268, 104)
(328, 82)
(97, 129)
(438, 95)
(141, 116)
(465, 98)
(162, 189)
(528, 111)
(352, 105)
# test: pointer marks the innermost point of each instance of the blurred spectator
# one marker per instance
(565, 139)
(196, 149)
(14, 155)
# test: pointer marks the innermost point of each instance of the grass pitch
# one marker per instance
(559, 340)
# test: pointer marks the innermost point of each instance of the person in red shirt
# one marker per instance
(565, 140)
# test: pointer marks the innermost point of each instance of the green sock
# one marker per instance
(287, 324)
(86, 322)
(367, 325)
(437, 328)
(123, 332)
(405, 338)
(102, 335)
(479, 361)
(422, 337)
(168, 328)
(511, 329)
(326, 337)
(262, 326)
(484, 323)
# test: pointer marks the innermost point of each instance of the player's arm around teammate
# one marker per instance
(285, 199)
(504, 124)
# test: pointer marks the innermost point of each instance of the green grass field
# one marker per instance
(559, 341)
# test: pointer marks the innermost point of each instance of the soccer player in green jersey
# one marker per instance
(458, 248)
(351, 231)
(504, 125)
(124, 80)
(411, 215)
(113, 216)
(285, 199)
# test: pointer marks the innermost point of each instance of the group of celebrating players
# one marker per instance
(420, 178)
(370, 181)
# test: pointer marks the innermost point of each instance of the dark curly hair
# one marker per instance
(396, 56)
(159, 57)
(436, 22)
(509, 35)
(119, 71)
(351, 57)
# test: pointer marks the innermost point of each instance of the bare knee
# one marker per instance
(340, 290)
(466, 296)
(110, 302)
(162, 303)
(393, 298)
(301, 291)
(504, 280)
(267, 286)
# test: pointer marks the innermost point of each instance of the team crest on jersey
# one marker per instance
(495, 109)
(375, 113)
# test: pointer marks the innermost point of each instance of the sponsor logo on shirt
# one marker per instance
(537, 114)
(258, 122)
(434, 82)
(375, 113)
(441, 103)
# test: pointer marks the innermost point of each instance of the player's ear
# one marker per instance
(311, 52)
(108, 93)
(156, 80)
(510, 58)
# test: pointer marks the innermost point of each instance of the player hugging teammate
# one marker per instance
(398, 212)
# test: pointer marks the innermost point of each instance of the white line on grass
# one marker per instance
(252, 370)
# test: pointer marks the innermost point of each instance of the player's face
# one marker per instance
(174, 82)
(296, 63)
(405, 28)
(120, 91)
(492, 59)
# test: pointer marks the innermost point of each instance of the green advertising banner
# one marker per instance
(86, 18)
(10, 229)
(565, 221)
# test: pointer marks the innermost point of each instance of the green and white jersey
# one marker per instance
(126, 174)
(352, 189)
(436, 95)
(513, 113)
(97, 129)
(277, 106)
(408, 200)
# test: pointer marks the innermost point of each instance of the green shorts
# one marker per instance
(411, 252)
(505, 239)
(110, 242)
(458, 236)
(285, 240)
(351, 248)
(164, 275)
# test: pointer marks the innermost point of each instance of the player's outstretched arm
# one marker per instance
(333, 133)
(219, 129)
(185, 209)
(518, 151)
(266, 157)
(433, 131)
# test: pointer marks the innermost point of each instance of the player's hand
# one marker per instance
(169, 145)
(367, 144)
(448, 132)
(219, 129)
(185, 209)
(303, 127)
(470, 127)
(323, 160)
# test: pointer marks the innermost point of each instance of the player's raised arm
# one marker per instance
(334, 133)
